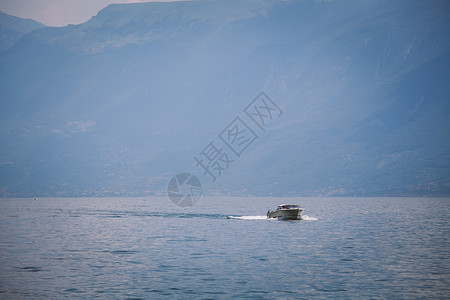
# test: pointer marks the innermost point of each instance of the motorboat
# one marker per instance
(286, 212)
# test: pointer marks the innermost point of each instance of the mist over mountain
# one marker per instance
(120, 104)
(13, 28)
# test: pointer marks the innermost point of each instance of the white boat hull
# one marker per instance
(286, 214)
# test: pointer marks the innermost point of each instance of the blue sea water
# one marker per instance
(222, 248)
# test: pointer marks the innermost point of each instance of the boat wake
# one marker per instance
(308, 218)
(248, 217)
(304, 218)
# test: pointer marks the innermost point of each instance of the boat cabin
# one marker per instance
(288, 206)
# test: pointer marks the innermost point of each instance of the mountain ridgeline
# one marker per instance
(13, 28)
(120, 104)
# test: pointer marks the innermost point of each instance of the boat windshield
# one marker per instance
(288, 206)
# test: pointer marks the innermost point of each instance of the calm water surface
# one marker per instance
(351, 248)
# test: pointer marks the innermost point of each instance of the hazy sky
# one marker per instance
(59, 12)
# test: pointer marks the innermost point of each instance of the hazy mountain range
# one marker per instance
(13, 28)
(120, 104)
